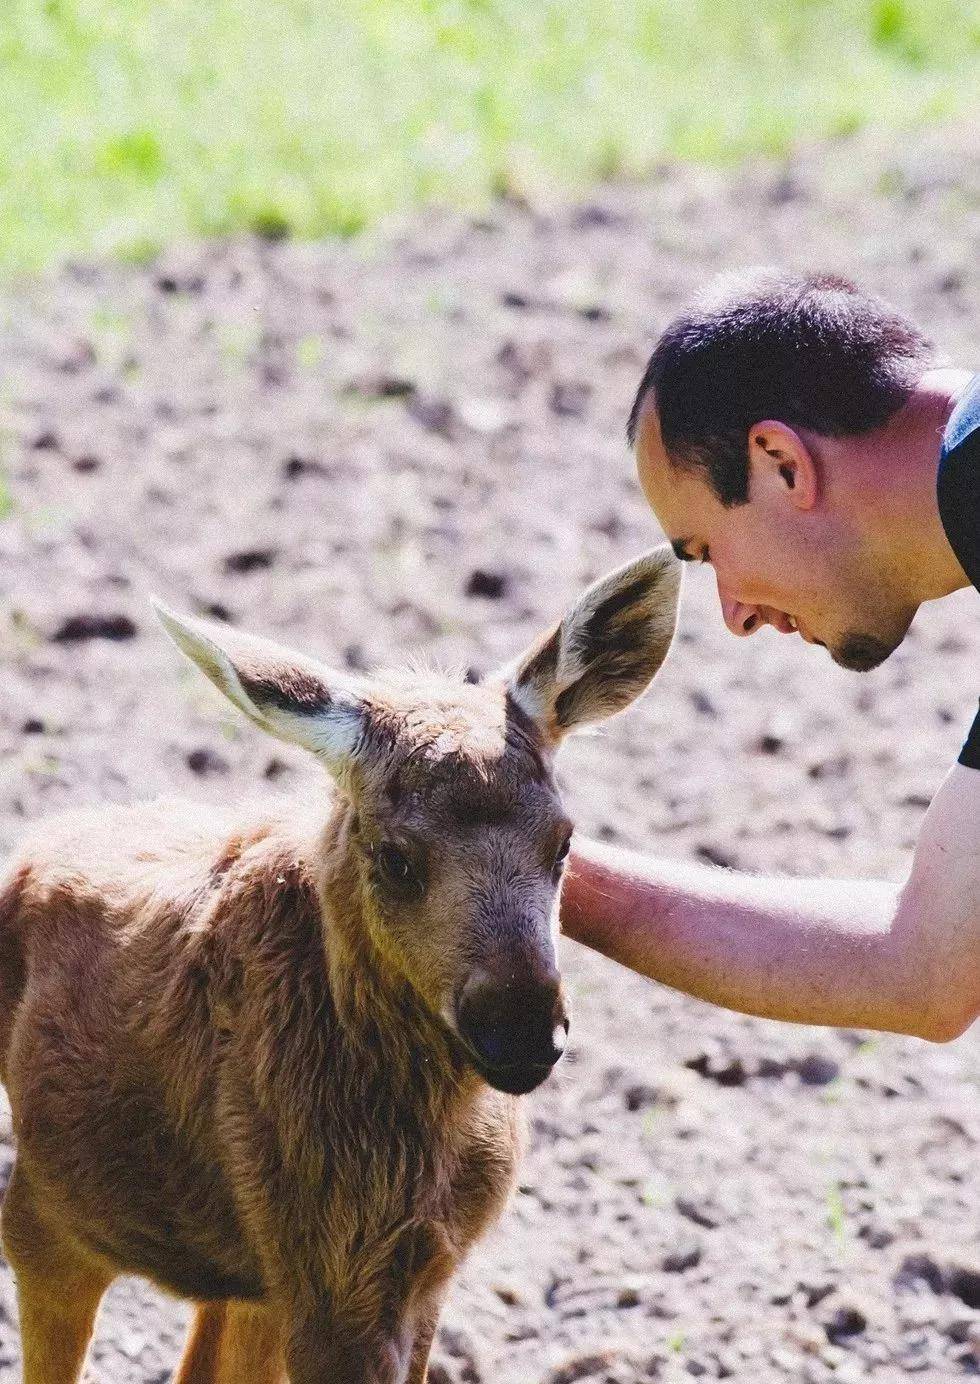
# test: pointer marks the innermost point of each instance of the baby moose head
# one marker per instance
(453, 821)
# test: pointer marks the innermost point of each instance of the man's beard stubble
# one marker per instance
(862, 652)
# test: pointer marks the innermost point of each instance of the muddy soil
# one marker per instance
(415, 444)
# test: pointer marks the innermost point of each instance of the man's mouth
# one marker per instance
(793, 626)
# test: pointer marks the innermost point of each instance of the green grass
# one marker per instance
(125, 123)
(836, 1215)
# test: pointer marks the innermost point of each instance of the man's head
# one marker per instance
(753, 406)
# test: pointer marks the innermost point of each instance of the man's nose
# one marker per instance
(741, 619)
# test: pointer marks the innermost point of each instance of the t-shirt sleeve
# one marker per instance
(958, 492)
(970, 755)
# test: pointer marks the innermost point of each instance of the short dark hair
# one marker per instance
(810, 350)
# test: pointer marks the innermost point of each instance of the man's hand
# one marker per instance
(848, 953)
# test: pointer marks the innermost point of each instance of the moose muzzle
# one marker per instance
(513, 1024)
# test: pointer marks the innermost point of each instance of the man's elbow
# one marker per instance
(939, 963)
(948, 1020)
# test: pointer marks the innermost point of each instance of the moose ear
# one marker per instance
(605, 651)
(289, 696)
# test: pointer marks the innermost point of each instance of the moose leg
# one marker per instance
(58, 1290)
(233, 1343)
(418, 1370)
(327, 1351)
(199, 1363)
(251, 1349)
(427, 1298)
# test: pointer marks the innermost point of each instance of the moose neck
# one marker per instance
(381, 1013)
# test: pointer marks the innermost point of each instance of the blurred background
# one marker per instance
(126, 123)
(326, 320)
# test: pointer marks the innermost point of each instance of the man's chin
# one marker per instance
(862, 652)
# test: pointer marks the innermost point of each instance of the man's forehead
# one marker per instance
(680, 500)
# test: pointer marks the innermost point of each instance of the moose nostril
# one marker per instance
(490, 1043)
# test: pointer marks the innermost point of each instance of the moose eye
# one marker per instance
(562, 855)
(394, 870)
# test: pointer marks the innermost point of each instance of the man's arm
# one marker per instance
(854, 953)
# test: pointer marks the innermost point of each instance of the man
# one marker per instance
(795, 433)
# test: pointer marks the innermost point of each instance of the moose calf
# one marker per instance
(271, 1062)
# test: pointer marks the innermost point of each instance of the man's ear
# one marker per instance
(286, 694)
(780, 460)
(606, 650)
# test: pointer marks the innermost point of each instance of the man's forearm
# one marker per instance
(808, 951)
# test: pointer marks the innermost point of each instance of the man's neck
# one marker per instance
(897, 477)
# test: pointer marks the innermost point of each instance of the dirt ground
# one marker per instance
(415, 444)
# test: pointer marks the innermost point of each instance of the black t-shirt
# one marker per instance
(958, 488)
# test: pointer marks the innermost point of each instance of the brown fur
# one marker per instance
(235, 1054)
(239, 1128)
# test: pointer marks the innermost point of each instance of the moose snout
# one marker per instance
(514, 1027)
